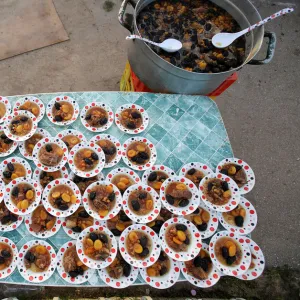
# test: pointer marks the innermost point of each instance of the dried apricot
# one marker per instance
(137, 248)
(66, 197)
(181, 186)
(177, 241)
(232, 250)
(40, 249)
(73, 199)
(50, 224)
(121, 185)
(133, 237)
(87, 153)
(19, 205)
(149, 204)
(131, 153)
(141, 148)
(157, 185)
(24, 204)
(227, 194)
(197, 219)
(124, 180)
(89, 250)
(14, 176)
(109, 189)
(29, 194)
(114, 219)
(229, 243)
(35, 111)
(120, 226)
(98, 245)
(232, 170)
(151, 272)
(65, 108)
(202, 253)
(89, 242)
(205, 216)
(243, 212)
(19, 128)
(55, 195)
(43, 214)
(151, 224)
(181, 235)
(103, 212)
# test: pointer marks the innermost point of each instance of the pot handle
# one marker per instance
(270, 51)
(122, 10)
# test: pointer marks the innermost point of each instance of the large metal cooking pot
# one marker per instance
(161, 76)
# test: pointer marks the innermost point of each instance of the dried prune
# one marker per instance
(88, 117)
(126, 269)
(225, 252)
(24, 119)
(163, 270)
(230, 260)
(170, 199)
(3, 136)
(5, 254)
(57, 105)
(152, 176)
(76, 179)
(13, 218)
(210, 186)
(142, 195)
(116, 232)
(181, 227)
(145, 252)
(143, 241)
(7, 174)
(48, 148)
(136, 115)
(130, 125)
(224, 171)
(111, 197)
(2, 260)
(93, 236)
(162, 257)
(94, 156)
(63, 206)
(92, 195)
(123, 217)
(10, 167)
(187, 241)
(239, 221)
(191, 171)
(103, 238)
(103, 121)
(202, 227)
(29, 256)
(183, 202)
(5, 220)
(135, 205)
(225, 186)
(15, 191)
(83, 214)
(197, 211)
(143, 155)
(76, 229)
(88, 161)
(58, 118)
(73, 274)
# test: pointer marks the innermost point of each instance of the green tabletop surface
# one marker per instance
(183, 128)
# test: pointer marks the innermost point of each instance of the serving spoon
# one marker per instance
(222, 40)
(169, 45)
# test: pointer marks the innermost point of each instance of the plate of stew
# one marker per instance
(7, 145)
(8, 257)
(5, 108)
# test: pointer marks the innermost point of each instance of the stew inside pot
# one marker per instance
(194, 23)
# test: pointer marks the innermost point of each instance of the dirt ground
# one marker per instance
(261, 111)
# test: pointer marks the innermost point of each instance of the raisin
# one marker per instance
(88, 161)
(10, 167)
(181, 227)
(103, 121)
(225, 252)
(191, 171)
(152, 176)
(92, 195)
(95, 156)
(57, 105)
(76, 229)
(58, 118)
(170, 199)
(239, 221)
(7, 174)
(49, 148)
(135, 205)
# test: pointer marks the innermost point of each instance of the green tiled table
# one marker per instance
(183, 128)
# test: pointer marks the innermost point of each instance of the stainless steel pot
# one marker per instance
(161, 76)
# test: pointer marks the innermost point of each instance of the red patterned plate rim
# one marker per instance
(259, 261)
(214, 275)
(2, 190)
(121, 282)
(195, 240)
(152, 215)
(54, 211)
(155, 249)
(61, 271)
(33, 276)
(11, 149)
(235, 194)
(14, 114)
(143, 112)
(250, 221)
(37, 172)
(6, 102)
(65, 99)
(37, 101)
(22, 147)
(245, 261)
(94, 147)
(10, 269)
(246, 188)
(11, 206)
(40, 144)
(165, 281)
(117, 144)
(212, 224)
(42, 235)
(102, 105)
(113, 212)
(193, 202)
(95, 264)
(168, 171)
